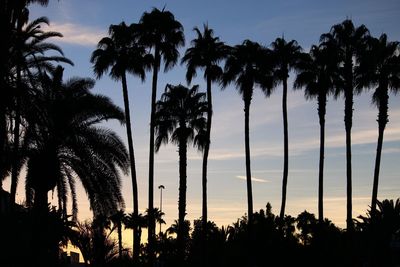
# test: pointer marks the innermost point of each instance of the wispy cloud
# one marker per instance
(254, 179)
(77, 34)
(391, 150)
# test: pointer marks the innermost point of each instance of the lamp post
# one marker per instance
(161, 187)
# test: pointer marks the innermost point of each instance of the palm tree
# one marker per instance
(28, 60)
(380, 68)
(121, 53)
(381, 231)
(179, 119)
(96, 247)
(205, 53)
(243, 66)
(347, 41)
(158, 217)
(66, 142)
(160, 32)
(133, 221)
(286, 56)
(118, 219)
(317, 75)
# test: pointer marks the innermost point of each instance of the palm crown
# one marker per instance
(245, 66)
(206, 52)
(286, 56)
(160, 31)
(120, 52)
(318, 73)
(180, 115)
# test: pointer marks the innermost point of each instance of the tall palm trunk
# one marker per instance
(182, 197)
(250, 237)
(382, 121)
(348, 115)
(286, 148)
(248, 167)
(151, 223)
(136, 240)
(321, 114)
(204, 174)
(348, 121)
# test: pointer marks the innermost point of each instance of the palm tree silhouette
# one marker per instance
(117, 220)
(28, 60)
(158, 217)
(286, 57)
(205, 53)
(317, 75)
(66, 142)
(179, 118)
(121, 53)
(161, 32)
(133, 221)
(347, 41)
(380, 68)
(97, 248)
(243, 66)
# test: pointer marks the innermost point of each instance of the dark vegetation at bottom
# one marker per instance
(29, 240)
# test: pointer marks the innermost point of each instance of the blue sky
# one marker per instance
(83, 23)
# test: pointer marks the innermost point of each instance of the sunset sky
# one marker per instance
(84, 23)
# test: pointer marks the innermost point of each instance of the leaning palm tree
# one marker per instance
(317, 75)
(205, 53)
(244, 67)
(179, 118)
(347, 41)
(161, 32)
(380, 68)
(121, 53)
(286, 56)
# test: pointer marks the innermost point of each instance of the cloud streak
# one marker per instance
(76, 34)
(254, 179)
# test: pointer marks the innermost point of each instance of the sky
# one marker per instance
(84, 23)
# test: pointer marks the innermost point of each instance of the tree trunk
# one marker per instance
(151, 223)
(321, 114)
(382, 121)
(204, 172)
(42, 249)
(286, 148)
(119, 238)
(250, 234)
(136, 240)
(348, 121)
(182, 198)
(348, 117)
(248, 167)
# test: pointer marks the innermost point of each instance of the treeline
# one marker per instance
(51, 127)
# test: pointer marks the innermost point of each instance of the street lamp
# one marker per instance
(161, 187)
